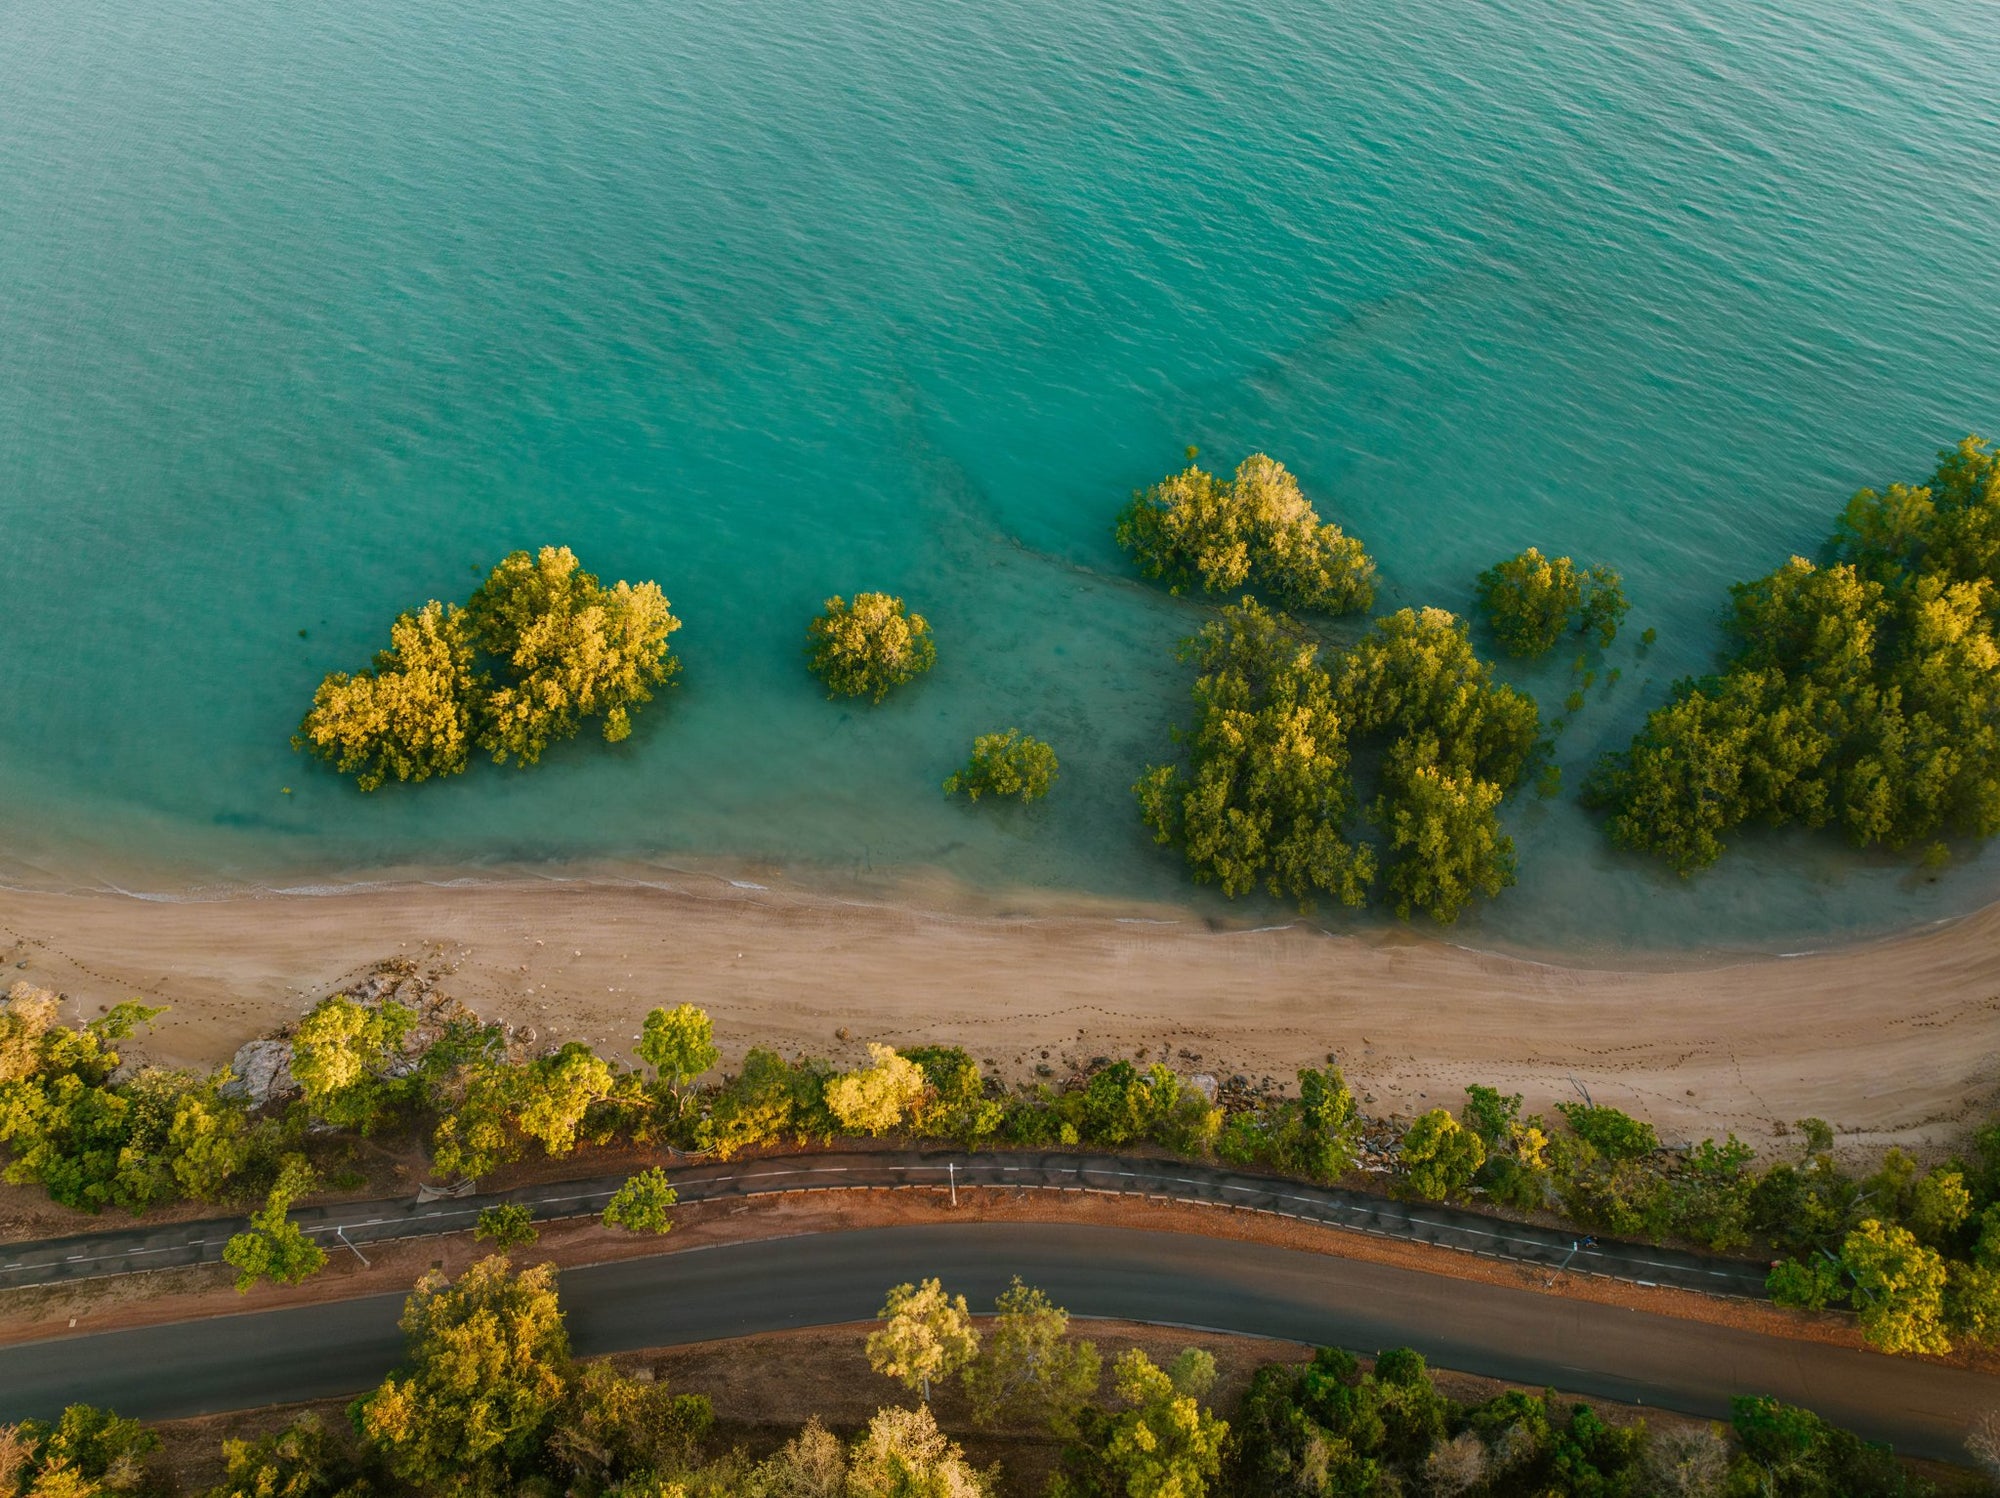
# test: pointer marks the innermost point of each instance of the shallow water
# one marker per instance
(306, 311)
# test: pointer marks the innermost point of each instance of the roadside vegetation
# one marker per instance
(541, 648)
(490, 1400)
(1913, 1252)
(1860, 692)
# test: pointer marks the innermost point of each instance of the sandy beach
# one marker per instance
(1892, 1041)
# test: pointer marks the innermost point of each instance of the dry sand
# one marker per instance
(1893, 1041)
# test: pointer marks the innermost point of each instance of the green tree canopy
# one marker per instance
(1456, 744)
(295, 1462)
(274, 1248)
(412, 715)
(507, 1225)
(1256, 529)
(1005, 764)
(1861, 692)
(1265, 794)
(1160, 1443)
(1028, 1367)
(1530, 599)
(91, 1138)
(863, 648)
(643, 1204)
(1317, 1135)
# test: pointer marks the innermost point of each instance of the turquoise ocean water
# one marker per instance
(306, 310)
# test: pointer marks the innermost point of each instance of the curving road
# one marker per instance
(342, 1226)
(319, 1351)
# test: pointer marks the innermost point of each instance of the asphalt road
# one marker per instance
(1212, 1284)
(352, 1226)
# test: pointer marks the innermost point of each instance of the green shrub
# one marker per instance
(1005, 764)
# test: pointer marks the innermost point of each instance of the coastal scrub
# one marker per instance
(1531, 599)
(1264, 796)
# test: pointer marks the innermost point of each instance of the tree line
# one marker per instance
(490, 1400)
(1915, 1253)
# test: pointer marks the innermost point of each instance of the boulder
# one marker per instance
(263, 1070)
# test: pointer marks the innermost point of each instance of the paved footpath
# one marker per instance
(351, 1226)
(1204, 1284)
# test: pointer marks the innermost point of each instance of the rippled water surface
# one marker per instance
(307, 310)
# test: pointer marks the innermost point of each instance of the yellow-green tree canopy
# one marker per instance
(1163, 1442)
(341, 1052)
(678, 1043)
(1029, 1367)
(1265, 794)
(559, 648)
(1005, 764)
(487, 1368)
(571, 649)
(1530, 599)
(925, 1337)
(1256, 530)
(863, 648)
(903, 1454)
(410, 716)
(1860, 692)
(1439, 1156)
(875, 1099)
(1899, 1288)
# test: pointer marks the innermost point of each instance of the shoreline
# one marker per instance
(939, 892)
(1889, 1039)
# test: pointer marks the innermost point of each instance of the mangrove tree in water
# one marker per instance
(1265, 794)
(1255, 530)
(863, 648)
(1005, 764)
(541, 648)
(1862, 691)
(1531, 599)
